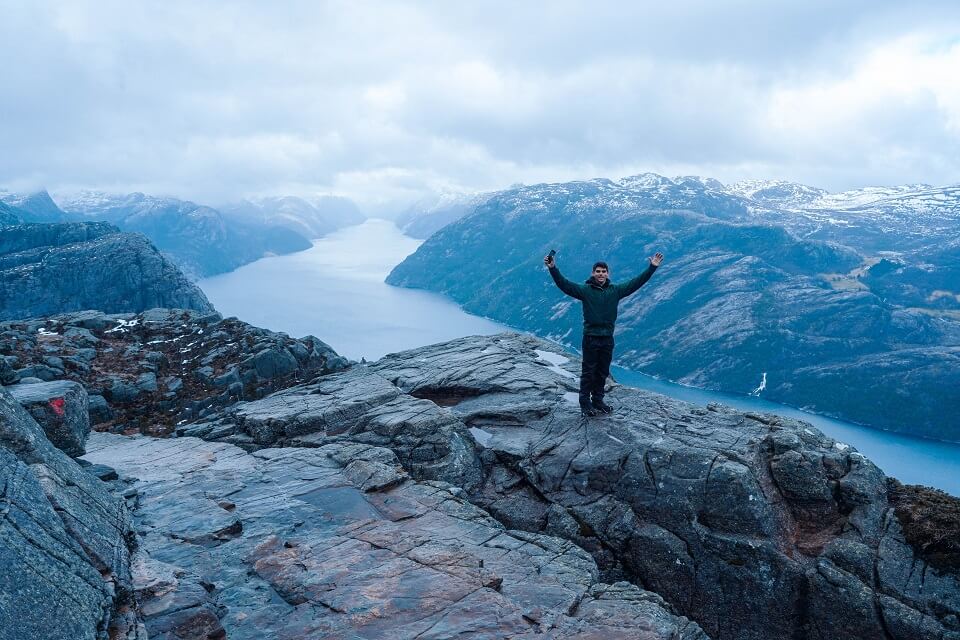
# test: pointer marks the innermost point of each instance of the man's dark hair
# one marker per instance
(600, 264)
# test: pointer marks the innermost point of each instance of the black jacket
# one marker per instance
(600, 303)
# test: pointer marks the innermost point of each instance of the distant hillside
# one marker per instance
(9, 215)
(198, 238)
(750, 299)
(47, 269)
(311, 219)
(430, 214)
(34, 207)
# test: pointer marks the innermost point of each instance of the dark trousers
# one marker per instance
(597, 354)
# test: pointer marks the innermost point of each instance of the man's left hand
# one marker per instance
(656, 259)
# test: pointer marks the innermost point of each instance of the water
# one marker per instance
(335, 291)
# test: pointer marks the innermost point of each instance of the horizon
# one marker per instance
(389, 210)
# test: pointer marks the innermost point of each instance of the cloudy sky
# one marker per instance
(382, 101)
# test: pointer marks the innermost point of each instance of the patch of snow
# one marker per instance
(560, 309)
(482, 437)
(841, 446)
(555, 360)
(123, 325)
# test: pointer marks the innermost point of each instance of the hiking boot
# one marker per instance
(588, 411)
(602, 406)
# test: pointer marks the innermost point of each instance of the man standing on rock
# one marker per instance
(600, 299)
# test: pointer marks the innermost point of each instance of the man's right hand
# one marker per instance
(549, 262)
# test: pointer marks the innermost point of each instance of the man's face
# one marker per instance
(600, 275)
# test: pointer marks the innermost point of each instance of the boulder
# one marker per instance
(99, 409)
(61, 408)
(7, 374)
(63, 539)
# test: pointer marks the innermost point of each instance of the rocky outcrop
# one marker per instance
(338, 542)
(149, 371)
(755, 526)
(57, 268)
(61, 408)
(64, 556)
(455, 489)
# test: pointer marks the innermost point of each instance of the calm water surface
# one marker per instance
(336, 292)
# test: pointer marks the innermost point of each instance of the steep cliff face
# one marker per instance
(34, 207)
(55, 268)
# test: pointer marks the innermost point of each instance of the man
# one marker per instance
(600, 299)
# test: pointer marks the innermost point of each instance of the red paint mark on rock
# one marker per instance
(57, 405)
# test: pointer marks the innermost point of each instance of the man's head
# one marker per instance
(601, 272)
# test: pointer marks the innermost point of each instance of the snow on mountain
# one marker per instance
(780, 193)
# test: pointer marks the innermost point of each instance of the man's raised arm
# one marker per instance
(632, 285)
(562, 283)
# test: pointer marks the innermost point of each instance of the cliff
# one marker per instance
(455, 489)
(54, 268)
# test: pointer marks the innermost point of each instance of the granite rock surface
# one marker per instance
(753, 525)
(64, 539)
(338, 542)
(61, 408)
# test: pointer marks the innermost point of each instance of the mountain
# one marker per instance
(431, 213)
(198, 238)
(10, 215)
(311, 219)
(747, 294)
(35, 207)
(55, 268)
(897, 219)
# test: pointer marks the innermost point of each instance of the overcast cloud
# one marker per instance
(381, 101)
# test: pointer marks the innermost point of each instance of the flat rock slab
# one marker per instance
(61, 408)
(338, 542)
(756, 526)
